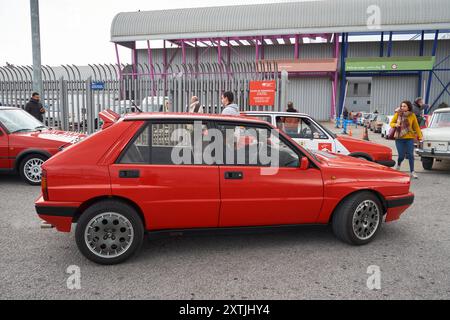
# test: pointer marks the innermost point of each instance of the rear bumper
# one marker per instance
(428, 154)
(386, 163)
(397, 205)
(58, 214)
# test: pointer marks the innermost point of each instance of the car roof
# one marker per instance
(277, 113)
(187, 116)
(442, 110)
(9, 108)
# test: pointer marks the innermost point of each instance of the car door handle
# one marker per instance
(129, 174)
(234, 175)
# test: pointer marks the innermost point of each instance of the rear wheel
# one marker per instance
(358, 219)
(109, 232)
(30, 168)
(427, 163)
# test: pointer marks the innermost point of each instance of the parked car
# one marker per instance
(360, 120)
(25, 143)
(369, 119)
(386, 126)
(132, 183)
(307, 132)
(436, 139)
(377, 123)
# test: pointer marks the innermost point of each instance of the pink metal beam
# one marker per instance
(335, 77)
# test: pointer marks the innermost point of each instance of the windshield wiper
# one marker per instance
(22, 130)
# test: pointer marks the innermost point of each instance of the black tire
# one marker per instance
(342, 220)
(118, 208)
(427, 163)
(33, 178)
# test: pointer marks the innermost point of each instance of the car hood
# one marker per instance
(441, 134)
(341, 161)
(54, 135)
(358, 145)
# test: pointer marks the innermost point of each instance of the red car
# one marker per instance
(25, 143)
(149, 172)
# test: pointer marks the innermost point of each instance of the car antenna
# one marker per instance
(137, 108)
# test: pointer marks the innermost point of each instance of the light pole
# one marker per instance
(36, 45)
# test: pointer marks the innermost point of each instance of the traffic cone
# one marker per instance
(350, 133)
(366, 134)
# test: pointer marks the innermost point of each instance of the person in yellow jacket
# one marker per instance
(406, 129)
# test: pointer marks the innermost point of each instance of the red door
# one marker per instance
(250, 197)
(5, 162)
(172, 196)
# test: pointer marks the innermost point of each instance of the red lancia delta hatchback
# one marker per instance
(171, 172)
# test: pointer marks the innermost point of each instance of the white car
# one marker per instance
(436, 139)
(386, 126)
(310, 134)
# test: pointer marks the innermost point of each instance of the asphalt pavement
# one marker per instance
(413, 256)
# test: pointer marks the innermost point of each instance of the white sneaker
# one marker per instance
(414, 175)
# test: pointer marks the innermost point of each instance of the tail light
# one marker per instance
(44, 185)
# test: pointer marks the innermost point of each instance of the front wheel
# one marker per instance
(427, 163)
(30, 169)
(358, 218)
(109, 232)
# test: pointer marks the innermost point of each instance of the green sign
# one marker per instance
(390, 64)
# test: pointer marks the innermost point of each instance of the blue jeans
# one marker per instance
(405, 146)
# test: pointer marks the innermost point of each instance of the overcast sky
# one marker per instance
(76, 31)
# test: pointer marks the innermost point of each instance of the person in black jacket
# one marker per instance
(35, 108)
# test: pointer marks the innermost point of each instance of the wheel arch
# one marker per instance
(29, 152)
(93, 201)
(374, 192)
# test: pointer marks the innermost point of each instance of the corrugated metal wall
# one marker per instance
(388, 92)
(311, 96)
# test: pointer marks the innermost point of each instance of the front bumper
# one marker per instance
(386, 163)
(58, 214)
(396, 205)
(433, 154)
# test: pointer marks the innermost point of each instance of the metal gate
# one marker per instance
(73, 96)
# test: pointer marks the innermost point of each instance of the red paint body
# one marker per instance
(15, 146)
(184, 197)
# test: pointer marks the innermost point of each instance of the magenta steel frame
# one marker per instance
(220, 43)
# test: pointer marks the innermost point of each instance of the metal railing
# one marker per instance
(73, 96)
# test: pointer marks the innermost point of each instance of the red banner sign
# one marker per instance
(262, 93)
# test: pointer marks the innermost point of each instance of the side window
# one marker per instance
(264, 118)
(300, 128)
(138, 152)
(254, 146)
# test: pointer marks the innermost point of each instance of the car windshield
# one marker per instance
(17, 120)
(440, 120)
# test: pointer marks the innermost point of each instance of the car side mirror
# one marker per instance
(304, 163)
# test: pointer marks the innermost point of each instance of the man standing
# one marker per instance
(195, 106)
(231, 108)
(291, 108)
(419, 108)
(35, 108)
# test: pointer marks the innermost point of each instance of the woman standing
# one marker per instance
(406, 128)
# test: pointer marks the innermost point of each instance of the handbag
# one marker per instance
(391, 134)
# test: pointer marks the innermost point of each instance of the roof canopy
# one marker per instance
(310, 17)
